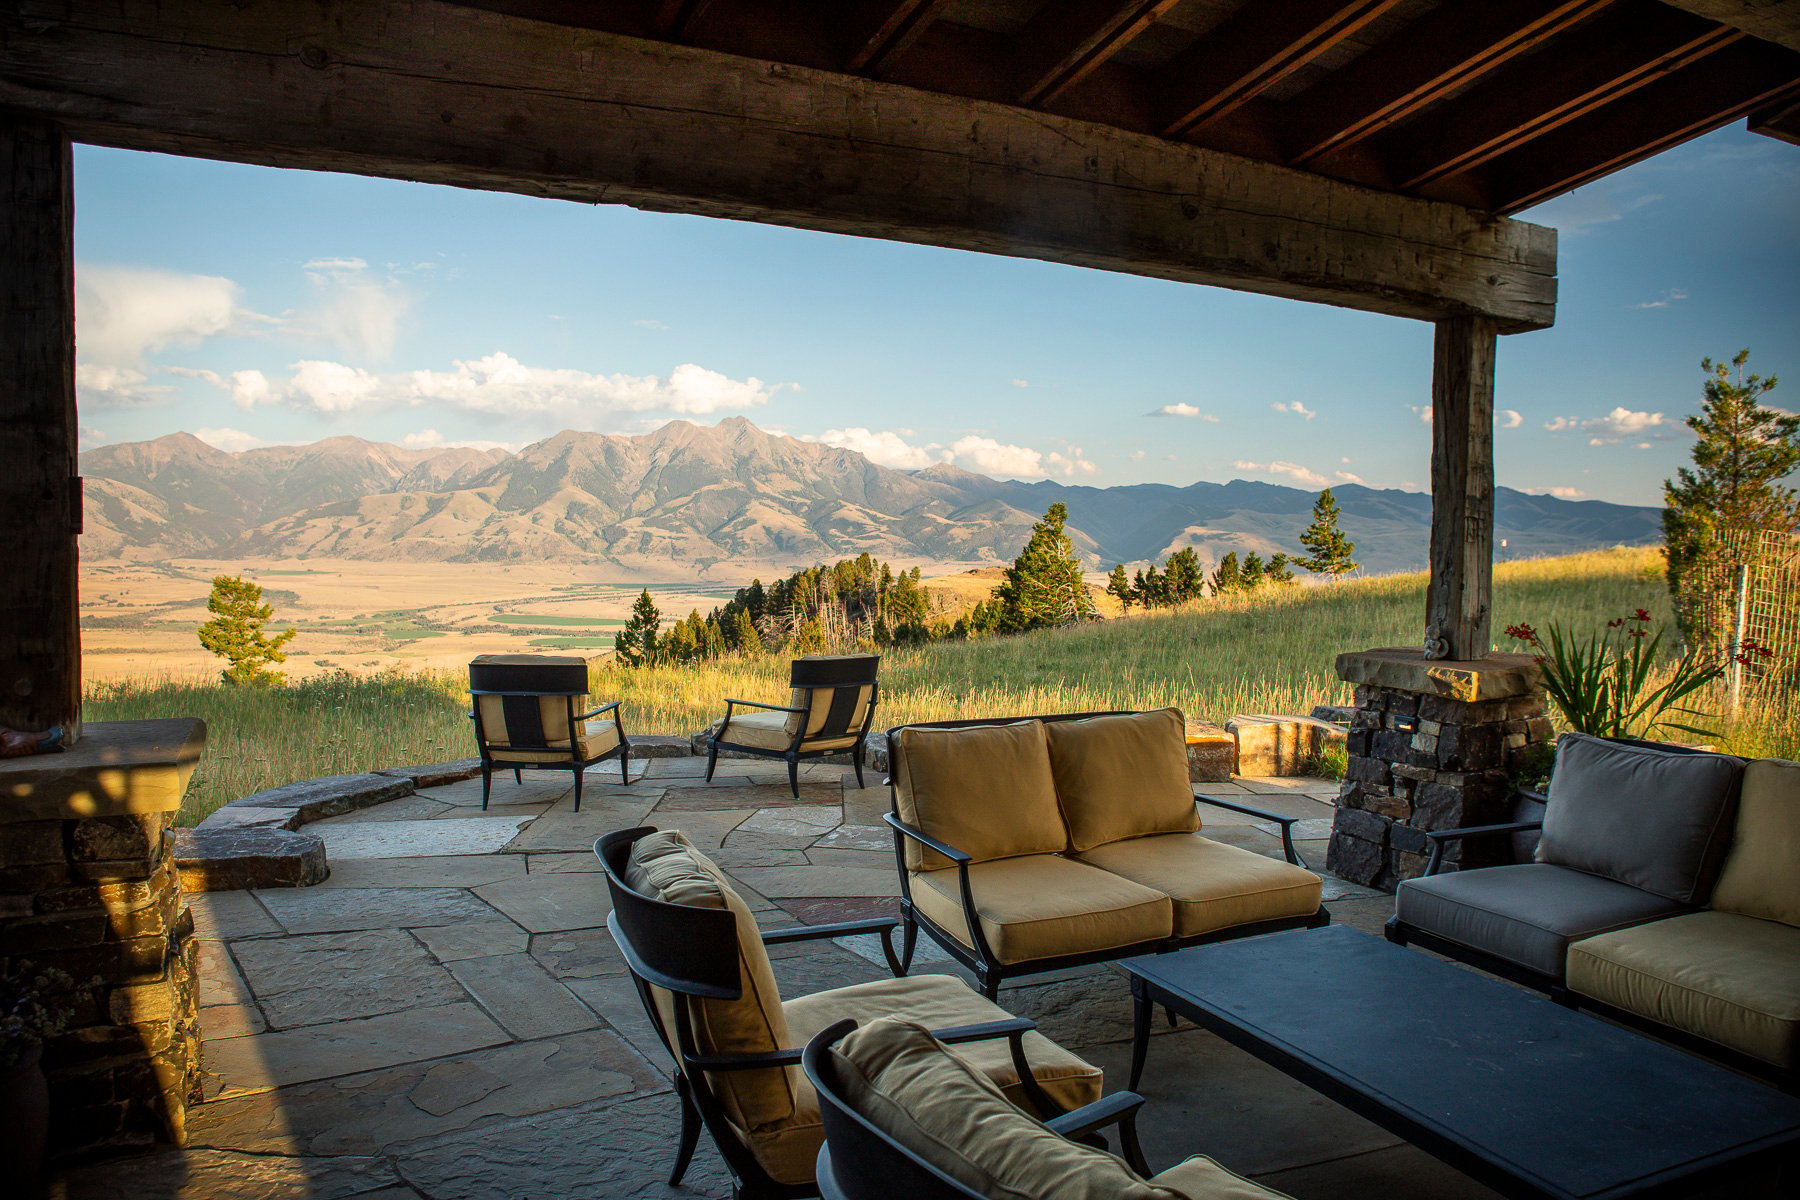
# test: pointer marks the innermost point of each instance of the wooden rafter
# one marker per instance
(1781, 120)
(673, 18)
(1065, 43)
(1723, 86)
(1623, 51)
(429, 91)
(1257, 48)
(888, 32)
(1443, 51)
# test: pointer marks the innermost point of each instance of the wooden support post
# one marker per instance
(1459, 597)
(40, 496)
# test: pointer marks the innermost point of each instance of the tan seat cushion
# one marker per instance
(1044, 906)
(1761, 877)
(940, 1002)
(898, 1077)
(1122, 776)
(665, 866)
(594, 739)
(985, 789)
(1214, 886)
(1731, 979)
(1200, 1178)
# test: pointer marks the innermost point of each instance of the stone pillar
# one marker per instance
(88, 885)
(1433, 744)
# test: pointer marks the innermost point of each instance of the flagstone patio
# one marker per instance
(447, 1017)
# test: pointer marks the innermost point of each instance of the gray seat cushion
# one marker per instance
(1526, 914)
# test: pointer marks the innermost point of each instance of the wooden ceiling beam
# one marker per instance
(888, 30)
(1745, 76)
(1781, 121)
(1629, 48)
(428, 91)
(1256, 48)
(1064, 43)
(1775, 21)
(673, 18)
(1437, 54)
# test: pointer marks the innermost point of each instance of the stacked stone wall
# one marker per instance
(1423, 762)
(100, 899)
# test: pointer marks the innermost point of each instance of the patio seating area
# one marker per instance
(447, 1016)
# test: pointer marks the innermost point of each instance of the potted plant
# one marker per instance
(29, 1015)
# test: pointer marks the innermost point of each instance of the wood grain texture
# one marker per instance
(1459, 593)
(424, 90)
(40, 635)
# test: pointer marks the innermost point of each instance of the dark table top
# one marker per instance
(1528, 1095)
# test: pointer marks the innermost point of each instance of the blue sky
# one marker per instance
(253, 306)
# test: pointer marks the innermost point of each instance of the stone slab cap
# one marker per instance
(116, 769)
(654, 745)
(436, 774)
(1406, 669)
(329, 795)
(1200, 732)
(223, 860)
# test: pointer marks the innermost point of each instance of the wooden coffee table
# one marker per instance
(1531, 1098)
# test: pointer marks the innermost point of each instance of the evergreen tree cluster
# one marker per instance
(1183, 579)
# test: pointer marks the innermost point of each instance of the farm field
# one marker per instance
(138, 620)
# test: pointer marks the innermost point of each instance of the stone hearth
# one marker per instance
(1433, 745)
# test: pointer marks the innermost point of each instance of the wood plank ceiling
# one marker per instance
(1495, 105)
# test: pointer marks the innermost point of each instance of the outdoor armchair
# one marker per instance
(701, 969)
(829, 711)
(1033, 844)
(530, 713)
(903, 1117)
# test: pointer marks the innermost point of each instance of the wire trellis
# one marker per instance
(1746, 587)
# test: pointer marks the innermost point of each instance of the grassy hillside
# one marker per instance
(1268, 652)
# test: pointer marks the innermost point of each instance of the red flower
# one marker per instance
(1522, 633)
(1642, 615)
(1615, 622)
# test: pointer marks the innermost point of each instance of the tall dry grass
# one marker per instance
(1273, 651)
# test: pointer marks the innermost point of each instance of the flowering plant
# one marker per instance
(27, 1017)
(1603, 683)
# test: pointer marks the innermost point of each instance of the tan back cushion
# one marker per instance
(665, 866)
(820, 711)
(902, 1080)
(553, 714)
(1122, 777)
(1762, 869)
(985, 789)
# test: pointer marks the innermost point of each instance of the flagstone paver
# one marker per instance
(439, 1025)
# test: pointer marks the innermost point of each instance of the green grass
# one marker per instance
(1269, 652)
(553, 622)
(573, 643)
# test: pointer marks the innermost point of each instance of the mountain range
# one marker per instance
(725, 502)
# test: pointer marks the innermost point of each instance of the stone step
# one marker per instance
(1273, 745)
(1211, 753)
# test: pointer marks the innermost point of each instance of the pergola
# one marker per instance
(1362, 153)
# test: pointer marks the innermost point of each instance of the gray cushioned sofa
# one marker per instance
(1665, 888)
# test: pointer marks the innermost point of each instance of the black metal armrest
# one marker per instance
(741, 1062)
(755, 704)
(884, 926)
(603, 708)
(1013, 1029)
(1121, 1109)
(1286, 823)
(1441, 839)
(925, 839)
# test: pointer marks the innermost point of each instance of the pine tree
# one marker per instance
(746, 641)
(636, 644)
(1278, 571)
(1151, 589)
(1331, 550)
(1043, 586)
(1118, 584)
(1743, 449)
(1183, 578)
(1226, 577)
(236, 635)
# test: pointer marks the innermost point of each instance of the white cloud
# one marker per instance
(1347, 477)
(1293, 471)
(1184, 410)
(885, 447)
(1672, 296)
(356, 312)
(124, 313)
(648, 323)
(431, 439)
(1137, 456)
(1295, 407)
(500, 384)
(332, 265)
(1421, 411)
(232, 441)
(98, 385)
(90, 436)
(1616, 426)
(1021, 383)
(990, 457)
(1508, 418)
(1070, 464)
(1566, 493)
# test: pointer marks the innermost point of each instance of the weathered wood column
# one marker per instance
(1459, 597)
(40, 497)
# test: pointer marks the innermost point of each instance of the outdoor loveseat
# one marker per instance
(1665, 889)
(1037, 843)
